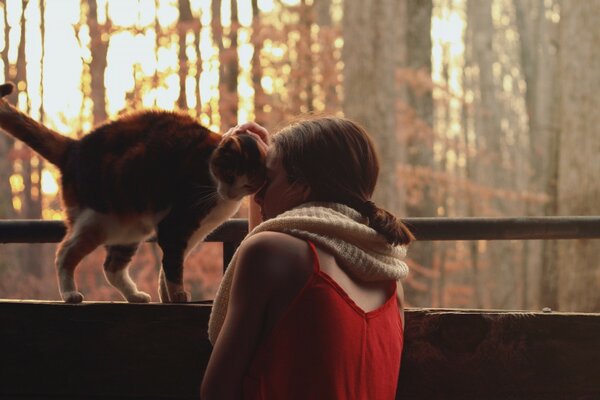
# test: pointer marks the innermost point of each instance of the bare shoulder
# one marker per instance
(267, 245)
(268, 255)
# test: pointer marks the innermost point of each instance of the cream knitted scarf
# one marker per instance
(338, 229)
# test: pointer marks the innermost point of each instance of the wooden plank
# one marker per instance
(102, 350)
(500, 355)
(159, 351)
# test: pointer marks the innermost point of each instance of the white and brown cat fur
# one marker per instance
(148, 172)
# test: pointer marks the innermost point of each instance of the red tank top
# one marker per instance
(326, 347)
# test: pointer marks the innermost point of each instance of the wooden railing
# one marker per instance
(232, 232)
(51, 350)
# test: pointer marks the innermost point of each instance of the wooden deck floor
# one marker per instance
(156, 351)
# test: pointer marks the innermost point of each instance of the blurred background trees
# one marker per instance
(478, 108)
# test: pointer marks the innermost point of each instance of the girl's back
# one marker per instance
(329, 340)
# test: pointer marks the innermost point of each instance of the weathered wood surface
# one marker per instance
(156, 351)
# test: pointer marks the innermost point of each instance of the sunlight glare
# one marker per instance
(49, 185)
(16, 183)
(167, 13)
(266, 5)
(123, 12)
(245, 13)
(13, 16)
(17, 204)
(190, 89)
(147, 13)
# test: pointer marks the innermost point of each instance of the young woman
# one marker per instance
(311, 306)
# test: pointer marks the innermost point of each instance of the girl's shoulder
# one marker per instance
(273, 256)
(271, 244)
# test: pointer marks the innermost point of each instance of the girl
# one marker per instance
(311, 306)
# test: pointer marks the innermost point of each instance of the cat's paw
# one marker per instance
(139, 297)
(72, 297)
(180, 297)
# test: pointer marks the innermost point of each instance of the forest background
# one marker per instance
(478, 108)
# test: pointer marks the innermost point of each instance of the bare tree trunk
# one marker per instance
(6, 143)
(199, 67)
(491, 163)
(30, 208)
(326, 60)
(99, 48)
(185, 22)
(538, 35)
(579, 161)
(31, 201)
(305, 55)
(257, 74)
(418, 130)
(472, 149)
(323, 12)
(228, 64)
(369, 89)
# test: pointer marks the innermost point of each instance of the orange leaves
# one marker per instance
(415, 178)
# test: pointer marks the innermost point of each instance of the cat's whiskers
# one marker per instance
(209, 187)
(206, 198)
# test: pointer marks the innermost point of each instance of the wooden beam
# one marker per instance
(160, 351)
(234, 230)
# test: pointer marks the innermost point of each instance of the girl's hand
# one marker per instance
(253, 129)
(262, 136)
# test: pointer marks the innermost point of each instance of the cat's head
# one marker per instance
(239, 166)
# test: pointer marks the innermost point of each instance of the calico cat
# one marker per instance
(144, 173)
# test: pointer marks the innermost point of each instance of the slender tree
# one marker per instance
(490, 163)
(369, 66)
(257, 72)
(417, 129)
(326, 59)
(31, 203)
(6, 143)
(579, 161)
(186, 20)
(305, 55)
(99, 47)
(228, 64)
(538, 37)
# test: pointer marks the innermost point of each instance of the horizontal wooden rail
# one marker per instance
(159, 351)
(42, 231)
(581, 227)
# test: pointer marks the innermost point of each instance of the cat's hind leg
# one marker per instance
(172, 236)
(117, 272)
(71, 251)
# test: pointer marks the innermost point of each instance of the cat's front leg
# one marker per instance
(172, 274)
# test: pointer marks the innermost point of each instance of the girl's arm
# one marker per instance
(252, 287)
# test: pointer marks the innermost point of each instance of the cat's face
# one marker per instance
(238, 166)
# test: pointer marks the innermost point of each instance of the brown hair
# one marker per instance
(336, 158)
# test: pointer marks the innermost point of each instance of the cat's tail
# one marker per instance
(49, 144)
